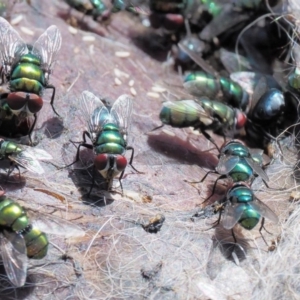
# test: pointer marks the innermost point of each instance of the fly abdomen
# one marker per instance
(12, 215)
(241, 172)
(234, 94)
(249, 218)
(36, 243)
(28, 75)
(110, 140)
(7, 148)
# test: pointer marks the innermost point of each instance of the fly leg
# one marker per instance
(193, 182)
(93, 181)
(263, 227)
(131, 160)
(31, 128)
(209, 138)
(52, 98)
(81, 144)
(214, 187)
(11, 169)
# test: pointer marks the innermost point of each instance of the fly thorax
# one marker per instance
(235, 149)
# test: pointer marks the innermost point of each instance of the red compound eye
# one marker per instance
(121, 162)
(35, 103)
(241, 120)
(18, 100)
(101, 162)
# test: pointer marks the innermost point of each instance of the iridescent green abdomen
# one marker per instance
(12, 215)
(110, 140)
(249, 218)
(241, 172)
(27, 75)
(36, 243)
(223, 114)
(202, 84)
(14, 218)
(234, 93)
(7, 148)
(294, 79)
(180, 115)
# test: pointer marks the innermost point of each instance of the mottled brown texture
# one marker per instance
(118, 259)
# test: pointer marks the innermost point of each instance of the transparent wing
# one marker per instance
(226, 164)
(11, 44)
(94, 111)
(259, 90)
(234, 62)
(221, 23)
(231, 215)
(199, 90)
(264, 210)
(39, 154)
(257, 169)
(47, 47)
(28, 159)
(121, 112)
(182, 108)
(197, 59)
(247, 80)
(14, 256)
(54, 225)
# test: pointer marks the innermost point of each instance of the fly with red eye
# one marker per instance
(107, 130)
(26, 70)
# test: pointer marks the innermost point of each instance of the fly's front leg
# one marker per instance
(52, 98)
(131, 159)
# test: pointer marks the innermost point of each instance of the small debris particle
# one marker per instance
(53, 194)
(72, 30)
(133, 91)
(16, 20)
(151, 273)
(120, 73)
(168, 132)
(88, 38)
(117, 81)
(158, 89)
(131, 82)
(295, 196)
(147, 199)
(122, 54)
(153, 95)
(155, 223)
(76, 50)
(91, 49)
(26, 30)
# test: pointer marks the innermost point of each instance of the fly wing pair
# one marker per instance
(97, 114)
(228, 162)
(29, 158)
(13, 246)
(232, 213)
(12, 46)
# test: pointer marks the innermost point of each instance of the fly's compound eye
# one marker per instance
(121, 163)
(241, 120)
(110, 164)
(101, 162)
(18, 100)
